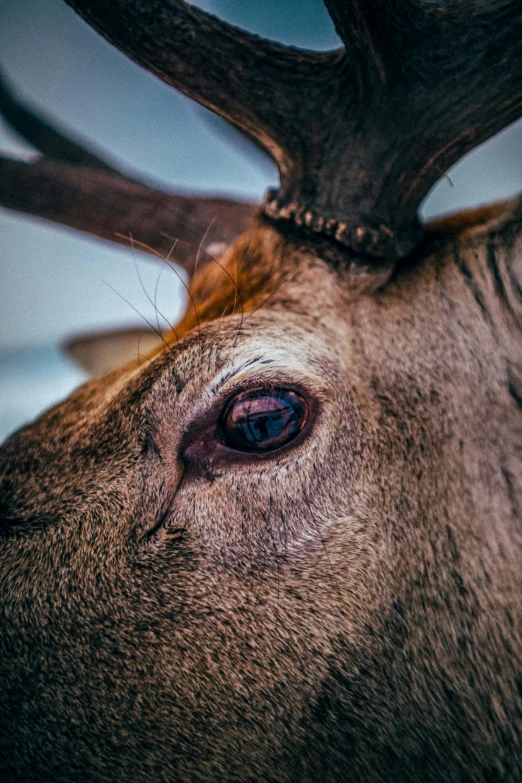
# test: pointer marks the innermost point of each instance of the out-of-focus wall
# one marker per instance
(53, 282)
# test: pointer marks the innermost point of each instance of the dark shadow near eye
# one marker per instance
(263, 420)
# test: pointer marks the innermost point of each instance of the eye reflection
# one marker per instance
(263, 420)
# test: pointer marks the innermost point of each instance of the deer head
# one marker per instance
(286, 546)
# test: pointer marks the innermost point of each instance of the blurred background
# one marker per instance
(56, 283)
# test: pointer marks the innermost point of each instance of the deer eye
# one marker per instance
(263, 420)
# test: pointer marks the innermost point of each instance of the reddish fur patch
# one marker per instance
(241, 280)
(237, 283)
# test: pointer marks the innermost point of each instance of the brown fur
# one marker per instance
(237, 283)
(347, 609)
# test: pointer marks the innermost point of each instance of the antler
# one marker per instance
(73, 186)
(359, 135)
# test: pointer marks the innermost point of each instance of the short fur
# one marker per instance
(344, 610)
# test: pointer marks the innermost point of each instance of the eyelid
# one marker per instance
(232, 373)
(202, 448)
(266, 376)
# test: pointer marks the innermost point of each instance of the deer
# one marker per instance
(285, 545)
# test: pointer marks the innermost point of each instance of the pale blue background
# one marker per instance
(51, 279)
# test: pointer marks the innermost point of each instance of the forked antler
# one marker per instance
(76, 187)
(359, 135)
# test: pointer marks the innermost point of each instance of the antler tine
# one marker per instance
(351, 24)
(295, 103)
(438, 79)
(74, 187)
(41, 134)
(255, 84)
(109, 206)
(359, 135)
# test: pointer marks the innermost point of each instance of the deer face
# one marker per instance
(190, 599)
(285, 546)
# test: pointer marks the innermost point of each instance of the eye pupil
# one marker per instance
(263, 420)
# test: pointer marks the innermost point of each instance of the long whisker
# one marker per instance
(167, 260)
(143, 245)
(175, 272)
(157, 284)
(142, 355)
(153, 303)
(175, 242)
(200, 246)
(267, 298)
(156, 299)
(238, 292)
(235, 284)
(167, 346)
(185, 286)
